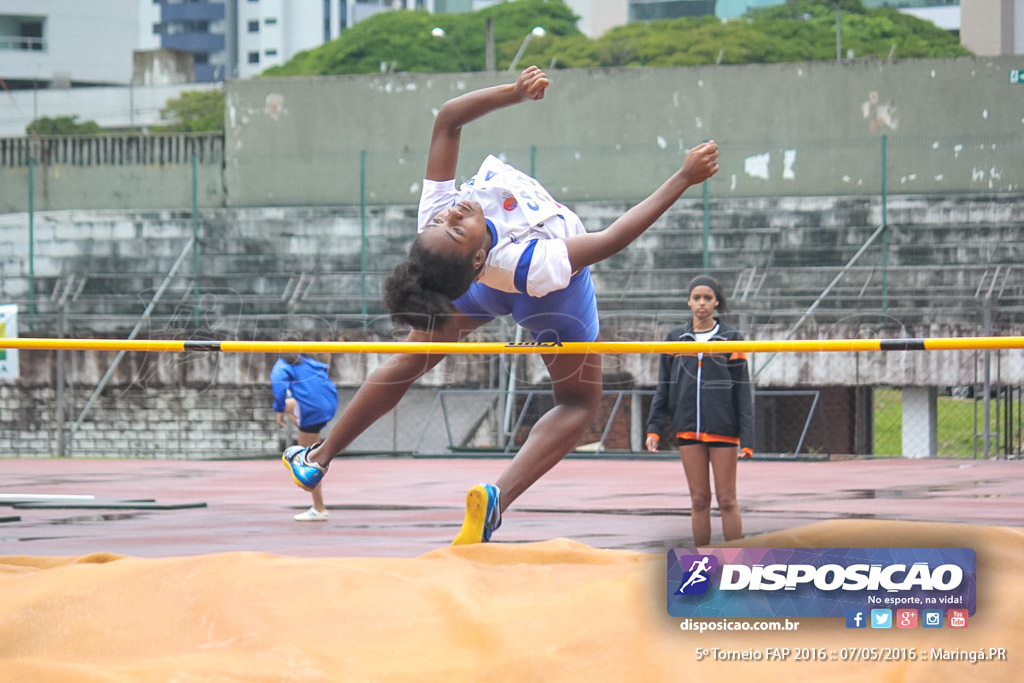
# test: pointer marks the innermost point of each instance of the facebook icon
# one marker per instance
(855, 618)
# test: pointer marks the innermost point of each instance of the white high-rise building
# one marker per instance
(67, 43)
(271, 32)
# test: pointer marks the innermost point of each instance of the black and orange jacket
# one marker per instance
(707, 396)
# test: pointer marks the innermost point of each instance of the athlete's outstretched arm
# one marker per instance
(584, 250)
(386, 386)
(458, 111)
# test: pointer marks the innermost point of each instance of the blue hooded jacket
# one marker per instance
(310, 385)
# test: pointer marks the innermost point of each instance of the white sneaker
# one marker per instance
(312, 515)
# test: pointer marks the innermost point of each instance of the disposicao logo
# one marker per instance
(697, 579)
(818, 582)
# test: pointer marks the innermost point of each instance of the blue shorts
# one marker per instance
(565, 315)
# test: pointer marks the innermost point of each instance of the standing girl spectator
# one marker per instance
(707, 397)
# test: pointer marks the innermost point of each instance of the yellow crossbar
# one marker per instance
(479, 348)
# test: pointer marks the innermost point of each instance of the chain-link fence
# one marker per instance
(868, 263)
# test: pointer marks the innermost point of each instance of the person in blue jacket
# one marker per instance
(304, 393)
(707, 397)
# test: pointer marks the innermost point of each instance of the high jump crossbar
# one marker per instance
(490, 348)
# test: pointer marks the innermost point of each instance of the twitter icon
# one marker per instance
(881, 618)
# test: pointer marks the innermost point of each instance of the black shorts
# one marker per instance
(312, 429)
(710, 444)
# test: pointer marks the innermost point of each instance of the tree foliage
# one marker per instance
(62, 125)
(867, 32)
(194, 111)
(798, 30)
(403, 40)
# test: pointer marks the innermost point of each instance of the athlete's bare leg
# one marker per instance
(723, 466)
(696, 465)
(576, 380)
(386, 386)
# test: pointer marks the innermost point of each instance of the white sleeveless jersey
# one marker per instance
(528, 255)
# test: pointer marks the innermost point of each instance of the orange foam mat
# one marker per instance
(546, 611)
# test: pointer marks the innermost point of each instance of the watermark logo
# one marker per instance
(697, 579)
(820, 582)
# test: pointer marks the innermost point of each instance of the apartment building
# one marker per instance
(67, 43)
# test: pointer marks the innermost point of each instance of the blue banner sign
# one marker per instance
(817, 582)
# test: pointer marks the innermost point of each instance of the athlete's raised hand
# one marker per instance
(532, 83)
(701, 163)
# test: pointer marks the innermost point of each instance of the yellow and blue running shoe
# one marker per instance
(483, 515)
(305, 473)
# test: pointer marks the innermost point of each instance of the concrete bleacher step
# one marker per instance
(260, 266)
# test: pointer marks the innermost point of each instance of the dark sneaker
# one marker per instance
(483, 515)
(305, 473)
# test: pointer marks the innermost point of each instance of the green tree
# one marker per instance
(811, 25)
(194, 111)
(62, 125)
(798, 30)
(402, 41)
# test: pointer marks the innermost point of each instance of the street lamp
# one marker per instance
(537, 31)
(839, 35)
(439, 33)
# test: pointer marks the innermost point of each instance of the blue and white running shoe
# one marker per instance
(305, 473)
(483, 515)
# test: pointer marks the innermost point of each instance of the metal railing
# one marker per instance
(112, 150)
(23, 43)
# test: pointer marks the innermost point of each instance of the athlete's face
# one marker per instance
(702, 303)
(460, 229)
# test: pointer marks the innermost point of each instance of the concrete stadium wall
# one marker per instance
(952, 125)
(110, 187)
(128, 171)
(803, 129)
(207, 409)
